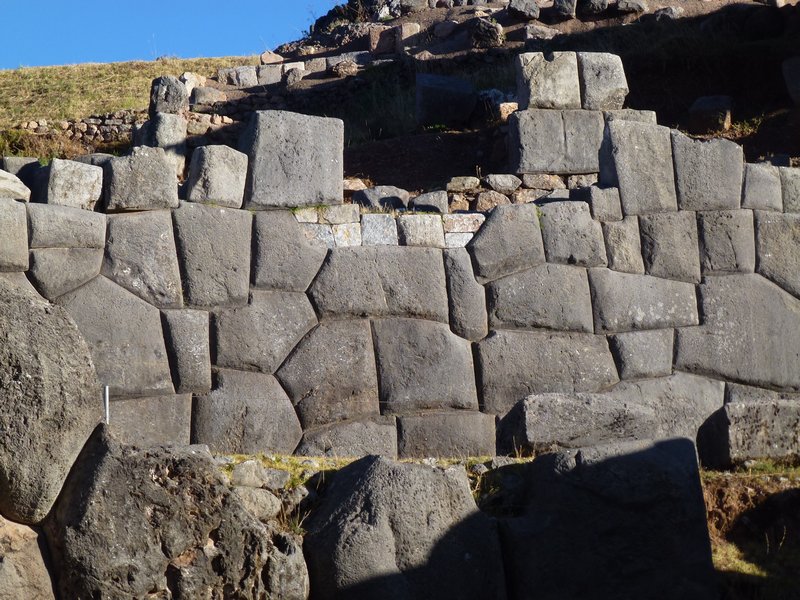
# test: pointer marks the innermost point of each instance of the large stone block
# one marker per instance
(12, 188)
(580, 503)
(169, 132)
(552, 141)
(727, 243)
(330, 376)
(186, 334)
(749, 333)
(295, 160)
(217, 175)
(466, 296)
(670, 247)
(643, 354)
(378, 230)
(604, 202)
(259, 336)
(603, 82)
(637, 158)
(56, 271)
(214, 254)
(444, 100)
(168, 95)
(283, 257)
(571, 236)
(511, 365)
(51, 402)
(778, 249)
(708, 174)
(625, 302)
(23, 563)
(361, 437)
(624, 245)
(157, 421)
(790, 186)
(64, 227)
(509, 241)
(74, 184)
(417, 526)
(422, 365)
(421, 230)
(762, 187)
(549, 296)
(445, 434)
(13, 236)
(548, 81)
(246, 413)
(141, 257)
(123, 177)
(382, 281)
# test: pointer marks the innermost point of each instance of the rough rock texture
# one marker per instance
(378, 230)
(603, 82)
(449, 434)
(762, 187)
(381, 281)
(571, 236)
(467, 297)
(141, 257)
(579, 503)
(168, 95)
(51, 401)
(217, 175)
(402, 531)
(790, 186)
(186, 335)
(295, 160)
(284, 259)
(246, 413)
(431, 202)
(259, 336)
(670, 246)
(778, 249)
(514, 364)
(603, 202)
(625, 302)
(168, 131)
(727, 241)
(23, 570)
(708, 175)
(422, 365)
(156, 421)
(421, 230)
(548, 82)
(74, 184)
(382, 197)
(12, 188)
(14, 240)
(160, 522)
(214, 254)
(360, 437)
(330, 375)
(56, 271)
(509, 241)
(762, 349)
(125, 337)
(123, 177)
(549, 296)
(642, 354)
(64, 227)
(624, 245)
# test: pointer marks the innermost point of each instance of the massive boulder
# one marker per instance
(51, 401)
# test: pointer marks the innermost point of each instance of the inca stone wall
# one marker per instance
(253, 311)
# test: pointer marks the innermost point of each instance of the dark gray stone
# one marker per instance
(631, 114)
(245, 413)
(51, 401)
(382, 197)
(761, 349)
(209, 96)
(790, 185)
(466, 296)
(643, 354)
(283, 257)
(762, 187)
(637, 158)
(214, 254)
(624, 246)
(137, 522)
(217, 176)
(422, 365)
(727, 243)
(330, 376)
(444, 100)
(64, 227)
(168, 131)
(565, 8)
(549, 296)
(361, 437)
(421, 230)
(603, 202)
(259, 336)
(245, 76)
(551, 141)
(571, 236)
(141, 257)
(625, 302)
(124, 336)
(295, 160)
(74, 184)
(416, 526)
(778, 249)
(123, 177)
(14, 241)
(548, 81)
(602, 76)
(514, 364)
(56, 271)
(382, 281)
(186, 334)
(580, 502)
(431, 202)
(168, 95)
(445, 434)
(527, 9)
(509, 241)
(147, 422)
(670, 247)
(708, 174)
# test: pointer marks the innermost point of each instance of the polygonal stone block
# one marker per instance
(548, 81)
(762, 187)
(670, 246)
(466, 296)
(643, 354)
(727, 242)
(360, 437)
(56, 271)
(186, 334)
(623, 245)
(571, 236)
(445, 434)
(123, 177)
(217, 176)
(13, 236)
(155, 421)
(778, 249)
(603, 82)
(708, 174)
(64, 227)
(74, 184)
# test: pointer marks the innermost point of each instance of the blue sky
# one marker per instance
(59, 32)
